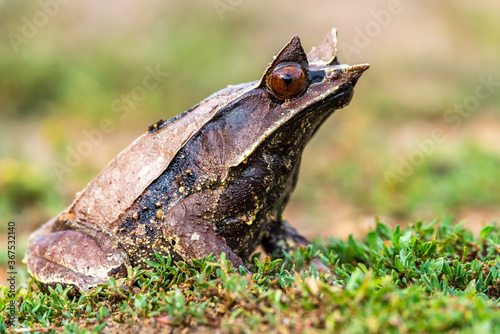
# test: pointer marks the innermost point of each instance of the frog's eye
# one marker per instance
(288, 80)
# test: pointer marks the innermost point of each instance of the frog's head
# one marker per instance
(297, 79)
(309, 87)
(294, 96)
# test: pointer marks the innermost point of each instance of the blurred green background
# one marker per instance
(66, 66)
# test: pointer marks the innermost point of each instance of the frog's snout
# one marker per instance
(352, 73)
(357, 70)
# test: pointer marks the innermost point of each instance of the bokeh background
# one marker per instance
(67, 66)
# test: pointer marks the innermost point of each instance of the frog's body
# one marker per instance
(212, 180)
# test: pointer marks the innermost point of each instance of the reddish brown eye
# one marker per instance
(288, 80)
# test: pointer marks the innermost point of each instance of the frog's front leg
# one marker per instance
(80, 258)
(189, 228)
(284, 236)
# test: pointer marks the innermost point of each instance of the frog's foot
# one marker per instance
(82, 259)
(285, 237)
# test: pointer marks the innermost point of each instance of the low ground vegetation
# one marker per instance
(428, 277)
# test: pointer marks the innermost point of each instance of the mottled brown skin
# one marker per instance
(212, 180)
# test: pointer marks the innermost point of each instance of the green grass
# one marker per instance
(436, 277)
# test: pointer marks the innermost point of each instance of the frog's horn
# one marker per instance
(291, 53)
(326, 52)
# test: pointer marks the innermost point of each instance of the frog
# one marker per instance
(212, 180)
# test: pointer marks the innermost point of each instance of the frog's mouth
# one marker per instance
(332, 86)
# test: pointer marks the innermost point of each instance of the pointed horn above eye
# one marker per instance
(326, 52)
(292, 52)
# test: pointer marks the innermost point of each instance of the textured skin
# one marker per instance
(212, 180)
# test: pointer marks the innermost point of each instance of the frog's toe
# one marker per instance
(50, 274)
(73, 258)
